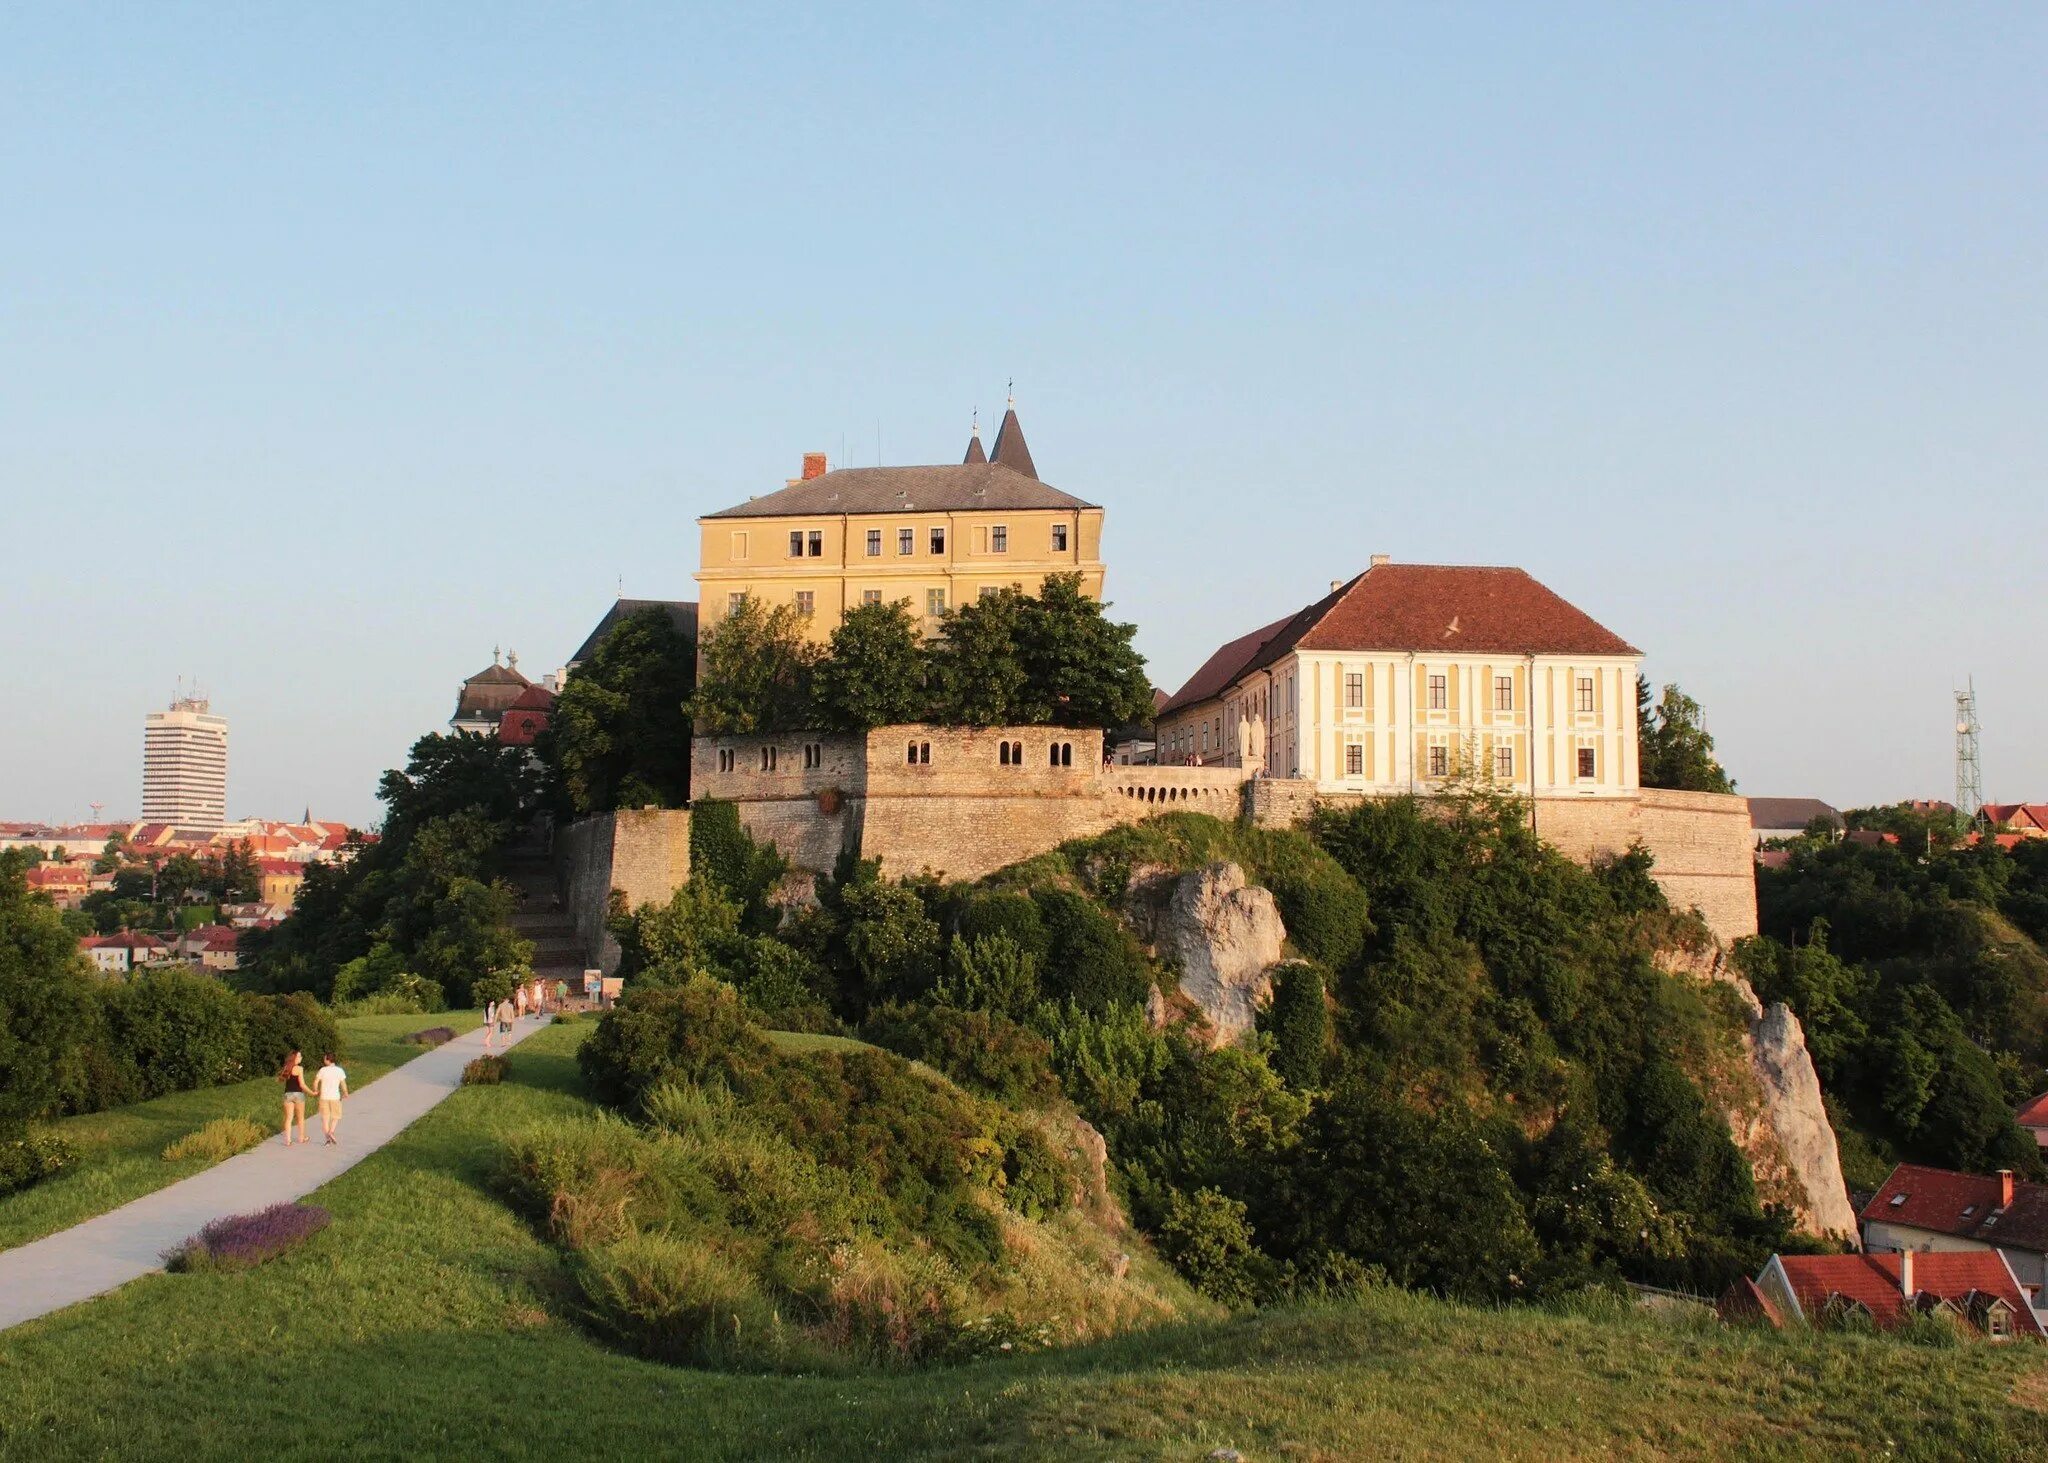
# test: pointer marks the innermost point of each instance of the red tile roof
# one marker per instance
(2034, 1114)
(1222, 668)
(1956, 1276)
(1459, 608)
(519, 728)
(1966, 1205)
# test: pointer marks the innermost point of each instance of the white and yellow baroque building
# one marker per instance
(1412, 676)
(929, 537)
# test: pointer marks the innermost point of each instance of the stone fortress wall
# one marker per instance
(950, 801)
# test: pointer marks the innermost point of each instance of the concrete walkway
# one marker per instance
(92, 1258)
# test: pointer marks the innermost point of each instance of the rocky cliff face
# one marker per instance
(1226, 937)
(1781, 1125)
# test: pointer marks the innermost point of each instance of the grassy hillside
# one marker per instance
(120, 1150)
(431, 1319)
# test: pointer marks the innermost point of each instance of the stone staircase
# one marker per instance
(541, 918)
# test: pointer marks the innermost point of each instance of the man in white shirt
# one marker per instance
(330, 1083)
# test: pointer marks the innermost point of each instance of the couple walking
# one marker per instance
(527, 998)
(331, 1085)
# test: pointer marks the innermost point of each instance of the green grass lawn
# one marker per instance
(120, 1151)
(429, 1321)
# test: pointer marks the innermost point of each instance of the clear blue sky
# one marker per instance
(339, 344)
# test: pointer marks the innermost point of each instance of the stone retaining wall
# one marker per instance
(644, 853)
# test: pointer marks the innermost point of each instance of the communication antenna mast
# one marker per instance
(1969, 775)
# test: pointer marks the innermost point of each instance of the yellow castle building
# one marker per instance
(930, 537)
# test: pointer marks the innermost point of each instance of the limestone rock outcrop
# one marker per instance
(1225, 936)
(1806, 1139)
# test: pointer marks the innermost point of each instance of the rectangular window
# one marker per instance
(814, 754)
(1504, 763)
(906, 540)
(1586, 763)
(817, 544)
(1354, 689)
(1585, 693)
(1503, 693)
(938, 541)
(796, 543)
(1354, 761)
(1439, 693)
(989, 591)
(1439, 761)
(1059, 538)
(874, 543)
(935, 602)
(871, 596)
(806, 602)
(732, 603)
(999, 539)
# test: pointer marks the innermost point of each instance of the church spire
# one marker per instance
(974, 452)
(1010, 449)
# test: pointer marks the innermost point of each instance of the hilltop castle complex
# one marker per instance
(1407, 678)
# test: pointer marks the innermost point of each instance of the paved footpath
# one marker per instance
(94, 1257)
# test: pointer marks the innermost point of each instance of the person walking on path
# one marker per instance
(505, 1020)
(331, 1083)
(490, 1021)
(561, 995)
(294, 1078)
(519, 999)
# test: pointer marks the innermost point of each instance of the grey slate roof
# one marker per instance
(1790, 812)
(967, 488)
(1010, 449)
(682, 613)
(974, 452)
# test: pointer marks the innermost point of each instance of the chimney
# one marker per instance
(1381, 559)
(2005, 1188)
(1335, 585)
(1906, 1274)
(814, 466)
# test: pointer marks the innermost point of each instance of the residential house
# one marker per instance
(1975, 1288)
(931, 536)
(527, 717)
(129, 950)
(1411, 676)
(1934, 1209)
(2030, 820)
(210, 946)
(487, 696)
(1774, 818)
(280, 880)
(65, 884)
(2033, 1116)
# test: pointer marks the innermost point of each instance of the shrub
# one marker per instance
(1012, 916)
(988, 1053)
(1323, 907)
(433, 1036)
(277, 1026)
(1038, 1179)
(894, 944)
(394, 1003)
(691, 1033)
(220, 1139)
(1299, 1024)
(784, 985)
(991, 972)
(485, 1071)
(26, 1159)
(1206, 1237)
(243, 1241)
(174, 1030)
(675, 1299)
(1091, 959)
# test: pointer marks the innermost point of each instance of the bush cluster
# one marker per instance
(29, 1158)
(809, 1209)
(432, 1036)
(484, 1071)
(219, 1139)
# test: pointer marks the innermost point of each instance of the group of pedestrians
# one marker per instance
(529, 998)
(330, 1087)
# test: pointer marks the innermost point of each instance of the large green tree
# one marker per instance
(875, 670)
(618, 737)
(1080, 667)
(758, 673)
(1672, 744)
(46, 1007)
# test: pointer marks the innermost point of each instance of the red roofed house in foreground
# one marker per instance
(1933, 1209)
(1975, 1288)
(1417, 678)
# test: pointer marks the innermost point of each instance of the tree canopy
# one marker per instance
(1672, 744)
(759, 672)
(618, 737)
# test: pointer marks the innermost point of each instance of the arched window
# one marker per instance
(910, 755)
(1003, 753)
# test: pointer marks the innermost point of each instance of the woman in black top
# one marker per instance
(294, 1079)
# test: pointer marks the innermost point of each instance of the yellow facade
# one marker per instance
(827, 563)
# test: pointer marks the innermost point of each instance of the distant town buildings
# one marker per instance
(185, 765)
(928, 536)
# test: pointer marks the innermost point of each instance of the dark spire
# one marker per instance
(974, 452)
(1010, 449)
